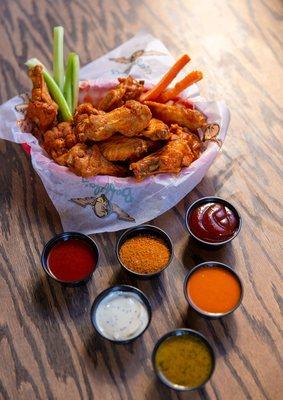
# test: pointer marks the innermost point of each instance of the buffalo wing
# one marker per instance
(59, 140)
(192, 139)
(121, 148)
(129, 120)
(88, 161)
(41, 110)
(128, 89)
(170, 159)
(156, 130)
(171, 114)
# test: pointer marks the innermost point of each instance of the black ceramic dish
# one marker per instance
(212, 264)
(209, 199)
(126, 289)
(143, 230)
(64, 237)
(179, 332)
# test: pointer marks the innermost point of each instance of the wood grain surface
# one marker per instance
(48, 349)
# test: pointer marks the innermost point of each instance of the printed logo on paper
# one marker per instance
(210, 134)
(134, 58)
(102, 207)
(110, 191)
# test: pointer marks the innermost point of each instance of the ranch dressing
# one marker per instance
(121, 316)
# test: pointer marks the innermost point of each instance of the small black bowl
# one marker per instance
(212, 264)
(64, 237)
(180, 332)
(120, 288)
(144, 229)
(212, 199)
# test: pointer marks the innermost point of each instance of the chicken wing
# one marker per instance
(128, 89)
(130, 119)
(84, 110)
(171, 114)
(192, 139)
(156, 130)
(170, 159)
(121, 148)
(59, 140)
(41, 110)
(88, 161)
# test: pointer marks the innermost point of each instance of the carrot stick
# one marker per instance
(153, 93)
(189, 79)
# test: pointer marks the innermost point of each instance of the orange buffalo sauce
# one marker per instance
(214, 289)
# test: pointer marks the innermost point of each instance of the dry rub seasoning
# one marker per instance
(144, 254)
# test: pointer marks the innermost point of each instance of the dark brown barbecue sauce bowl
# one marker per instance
(213, 222)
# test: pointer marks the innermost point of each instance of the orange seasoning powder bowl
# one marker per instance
(144, 251)
(213, 289)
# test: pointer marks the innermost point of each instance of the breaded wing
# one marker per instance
(88, 161)
(128, 89)
(59, 140)
(129, 120)
(156, 130)
(169, 159)
(121, 148)
(41, 110)
(171, 114)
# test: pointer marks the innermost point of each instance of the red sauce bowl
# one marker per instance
(214, 224)
(70, 258)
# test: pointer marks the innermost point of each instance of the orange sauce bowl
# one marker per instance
(213, 289)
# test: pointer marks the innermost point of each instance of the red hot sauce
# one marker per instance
(213, 222)
(71, 260)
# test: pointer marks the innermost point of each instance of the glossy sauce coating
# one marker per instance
(184, 360)
(213, 222)
(71, 260)
(214, 289)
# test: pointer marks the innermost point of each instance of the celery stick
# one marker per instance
(75, 81)
(54, 90)
(68, 82)
(68, 96)
(58, 56)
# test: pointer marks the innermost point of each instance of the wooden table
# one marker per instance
(48, 349)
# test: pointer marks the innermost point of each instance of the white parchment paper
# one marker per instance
(125, 202)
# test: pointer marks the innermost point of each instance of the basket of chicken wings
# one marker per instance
(116, 153)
